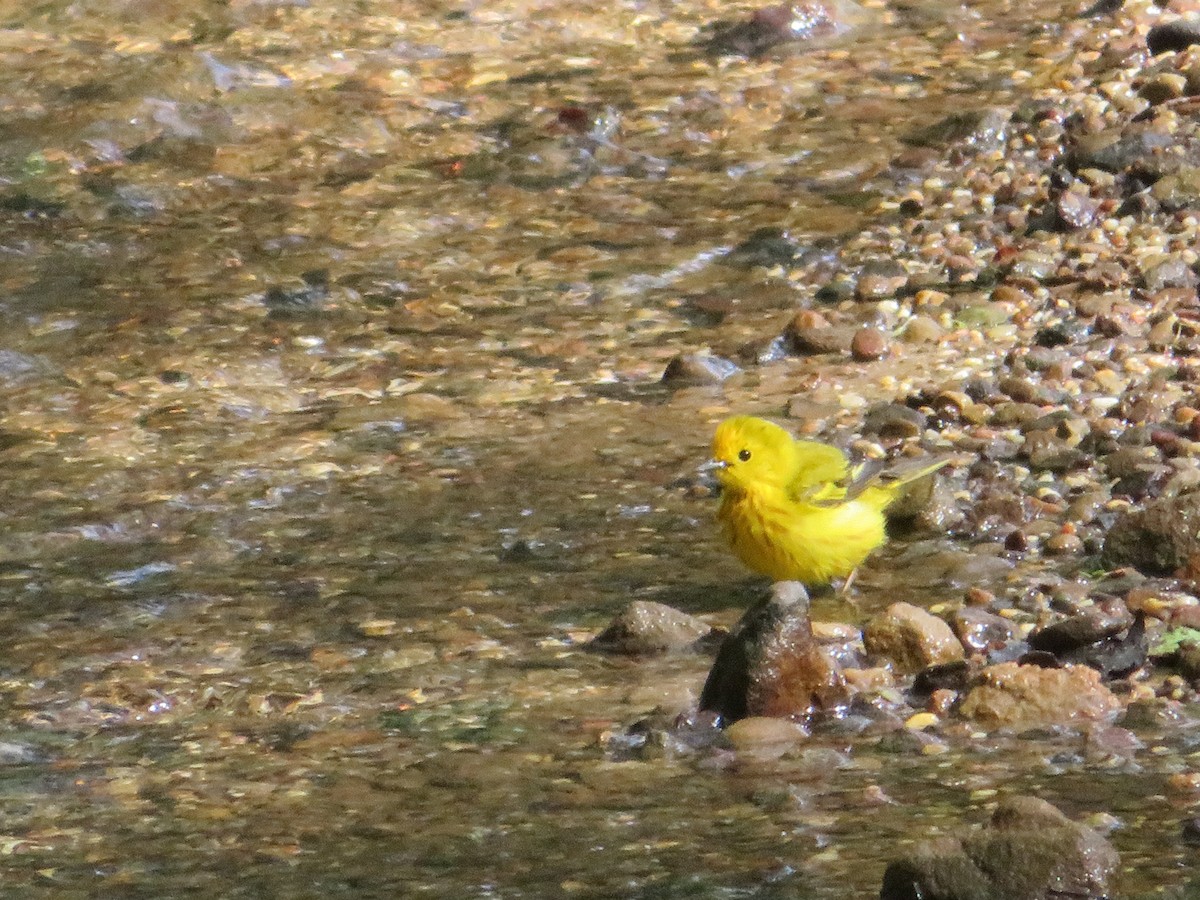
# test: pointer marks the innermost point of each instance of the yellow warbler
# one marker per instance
(797, 510)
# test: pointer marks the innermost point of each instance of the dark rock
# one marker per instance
(287, 302)
(771, 665)
(951, 676)
(766, 247)
(698, 368)
(1081, 630)
(1102, 8)
(644, 628)
(1159, 538)
(1173, 36)
(1029, 851)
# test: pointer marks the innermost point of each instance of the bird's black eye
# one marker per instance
(744, 455)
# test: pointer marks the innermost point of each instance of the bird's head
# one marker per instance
(751, 451)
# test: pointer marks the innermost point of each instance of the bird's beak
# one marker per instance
(713, 465)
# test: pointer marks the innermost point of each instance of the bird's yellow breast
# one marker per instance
(790, 540)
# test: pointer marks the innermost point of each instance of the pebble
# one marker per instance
(868, 344)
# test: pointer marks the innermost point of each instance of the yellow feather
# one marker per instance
(796, 510)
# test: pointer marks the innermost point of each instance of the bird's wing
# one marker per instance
(821, 471)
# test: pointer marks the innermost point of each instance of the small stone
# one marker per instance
(764, 739)
(1076, 209)
(981, 631)
(698, 368)
(644, 628)
(868, 344)
(923, 330)
(1064, 544)
(809, 333)
(911, 637)
(1173, 36)
(1163, 87)
(377, 627)
(893, 421)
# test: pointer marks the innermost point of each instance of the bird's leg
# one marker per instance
(844, 590)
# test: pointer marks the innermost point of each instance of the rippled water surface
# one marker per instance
(330, 344)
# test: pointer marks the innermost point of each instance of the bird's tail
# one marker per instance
(882, 489)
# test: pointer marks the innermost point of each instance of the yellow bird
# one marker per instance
(797, 510)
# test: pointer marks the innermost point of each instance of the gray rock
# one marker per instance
(644, 628)
(1029, 851)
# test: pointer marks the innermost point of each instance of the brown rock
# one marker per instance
(868, 344)
(1009, 695)
(762, 738)
(808, 333)
(771, 665)
(643, 628)
(911, 637)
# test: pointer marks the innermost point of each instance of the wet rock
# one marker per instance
(1076, 209)
(771, 26)
(1088, 627)
(766, 247)
(643, 628)
(1168, 272)
(1173, 36)
(880, 279)
(1117, 653)
(952, 677)
(868, 344)
(18, 368)
(979, 128)
(1028, 851)
(811, 333)
(1178, 189)
(981, 631)
(295, 301)
(1009, 695)
(771, 665)
(698, 368)
(893, 421)
(923, 330)
(1164, 87)
(1116, 150)
(911, 638)
(1159, 538)
(764, 739)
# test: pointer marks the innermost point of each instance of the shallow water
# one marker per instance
(297, 574)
